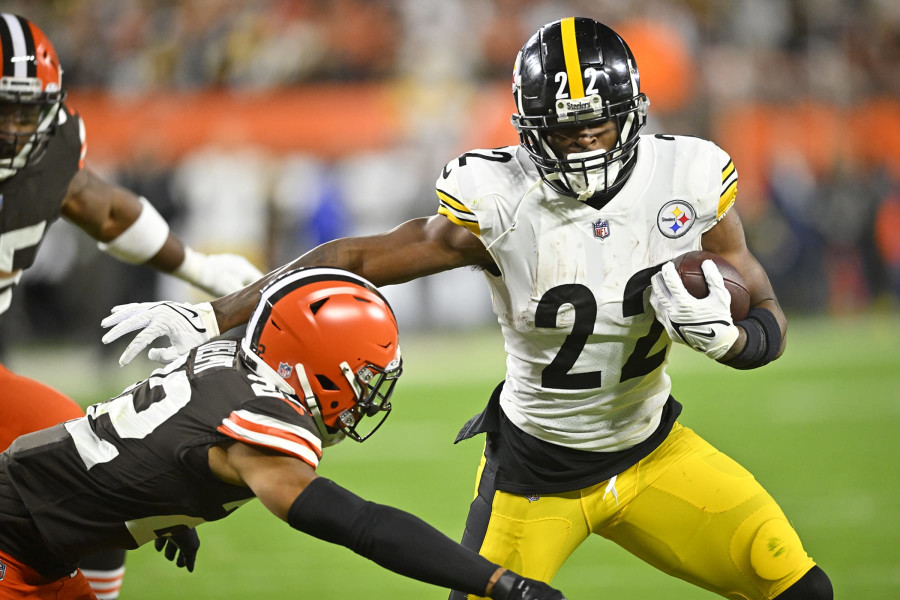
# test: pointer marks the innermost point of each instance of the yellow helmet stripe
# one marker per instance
(573, 65)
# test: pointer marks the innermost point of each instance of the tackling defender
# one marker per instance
(231, 420)
(43, 177)
(571, 228)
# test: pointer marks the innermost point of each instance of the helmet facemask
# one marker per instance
(583, 175)
(21, 144)
(30, 93)
(373, 387)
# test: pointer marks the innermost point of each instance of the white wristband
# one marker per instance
(191, 267)
(143, 238)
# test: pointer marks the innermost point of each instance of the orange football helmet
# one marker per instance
(30, 92)
(333, 340)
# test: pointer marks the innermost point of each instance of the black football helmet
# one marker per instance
(576, 72)
(30, 92)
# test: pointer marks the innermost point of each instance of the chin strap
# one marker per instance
(329, 436)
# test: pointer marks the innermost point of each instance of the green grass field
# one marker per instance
(816, 428)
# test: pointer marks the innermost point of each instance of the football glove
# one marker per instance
(704, 324)
(186, 326)
(216, 274)
(512, 586)
(184, 544)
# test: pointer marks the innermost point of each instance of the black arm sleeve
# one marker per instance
(763, 340)
(392, 538)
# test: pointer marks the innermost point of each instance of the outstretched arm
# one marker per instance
(130, 229)
(394, 539)
(414, 249)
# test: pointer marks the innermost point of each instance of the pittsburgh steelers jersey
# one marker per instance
(136, 467)
(31, 199)
(586, 357)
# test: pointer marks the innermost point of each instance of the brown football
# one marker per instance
(688, 267)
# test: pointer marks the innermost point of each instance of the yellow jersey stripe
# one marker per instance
(570, 52)
(727, 199)
(462, 216)
(727, 170)
(453, 202)
(470, 225)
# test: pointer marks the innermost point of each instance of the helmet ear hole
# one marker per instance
(327, 384)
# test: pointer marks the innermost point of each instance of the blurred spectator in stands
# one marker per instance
(786, 85)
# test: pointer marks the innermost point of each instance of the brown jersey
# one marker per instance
(32, 199)
(136, 467)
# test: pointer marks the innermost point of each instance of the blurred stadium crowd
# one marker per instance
(267, 127)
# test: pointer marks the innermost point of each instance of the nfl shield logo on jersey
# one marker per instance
(2, 571)
(601, 229)
(284, 370)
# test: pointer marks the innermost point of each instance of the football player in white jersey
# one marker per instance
(575, 230)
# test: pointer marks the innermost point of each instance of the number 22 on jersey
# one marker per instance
(640, 362)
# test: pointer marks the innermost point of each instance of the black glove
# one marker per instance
(512, 586)
(186, 542)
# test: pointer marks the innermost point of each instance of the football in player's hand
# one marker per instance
(688, 267)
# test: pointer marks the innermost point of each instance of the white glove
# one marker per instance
(216, 274)
(186, 326)
(704, 324)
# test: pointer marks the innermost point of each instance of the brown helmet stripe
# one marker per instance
(17, 47)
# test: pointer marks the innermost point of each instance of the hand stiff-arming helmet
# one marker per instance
(30, 92)
(332, 338)
(571, 73)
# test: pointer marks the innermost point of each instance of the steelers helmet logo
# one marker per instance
(675, 218)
